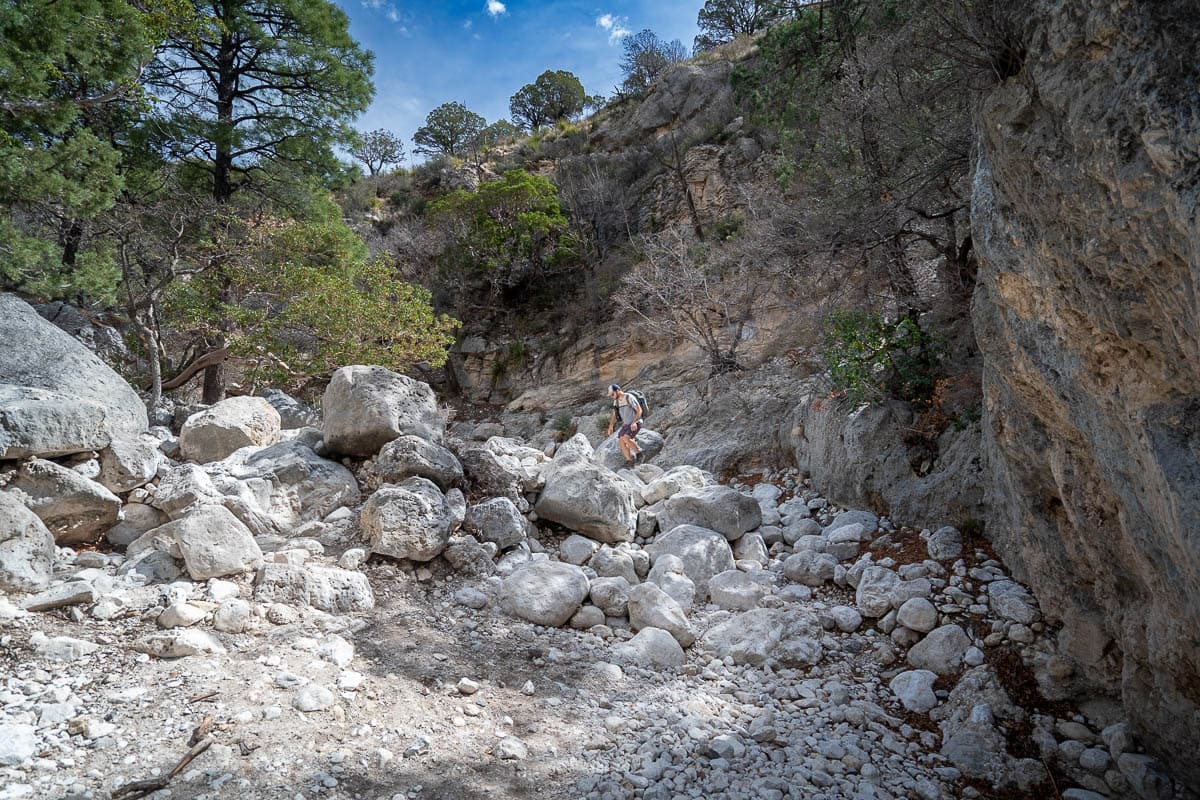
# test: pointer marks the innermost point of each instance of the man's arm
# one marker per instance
(612, 421)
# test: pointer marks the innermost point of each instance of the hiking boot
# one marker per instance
(638, 457)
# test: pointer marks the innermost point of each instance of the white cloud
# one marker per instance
(393, 15)
(496, 8)
(615, 26)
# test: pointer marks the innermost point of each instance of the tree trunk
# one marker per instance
(214, 375)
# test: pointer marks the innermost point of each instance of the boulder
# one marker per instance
(704, 553)
(869, 523)
(944, 544)
(873, 595)
(287, 483)
(129, 462)
(576, 549)
(674, 480)
(1011, 601)
(56, 396)
(609, 455)
(610, 595)
(718, 508)
(178, 643)
(735, 590)
(328, 589)
(810, 567)
(914, 690)
(670, 575)
(237, 422)
(487, 474)
(26, 548)
(137, 518)
(74, 509)
(366, 407)
(918, 614)
(751, 547)
(292, 413)
(789, 637)
(410, 520)
(651, 647)
(213, 543)
(651, 607)
(408, 456)
(941, 651)
(526, 463)
(544, 592)
(183, 485)
(611, 563)
(496, 520)
(589, 499)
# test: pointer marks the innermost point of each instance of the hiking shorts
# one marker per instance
(629, 431)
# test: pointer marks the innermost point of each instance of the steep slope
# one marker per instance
(1088, 313)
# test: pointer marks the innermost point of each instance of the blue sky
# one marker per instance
(480, 52)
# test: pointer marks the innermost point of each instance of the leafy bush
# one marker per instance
(870, 358)
(564, 427)
(512, 231)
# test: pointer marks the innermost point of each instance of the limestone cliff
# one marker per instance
(1088, 313)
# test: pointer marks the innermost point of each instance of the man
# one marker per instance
(629, 410)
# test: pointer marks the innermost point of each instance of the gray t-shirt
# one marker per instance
(627, 407)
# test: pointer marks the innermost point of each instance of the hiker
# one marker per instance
(629, 410)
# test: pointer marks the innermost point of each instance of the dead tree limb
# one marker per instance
(137, 789)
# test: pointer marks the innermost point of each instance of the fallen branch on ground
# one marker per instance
(136, 789)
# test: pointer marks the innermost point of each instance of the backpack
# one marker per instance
(641, 400)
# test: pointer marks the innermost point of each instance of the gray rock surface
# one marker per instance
(74, 509)
(234, 423)
(26, 548)
(718, 508)
(366, 407)
(213, 543)
(408, 455)
(544, 592)
(1092, 356)
(410, 520)
(651, 607)
(292, 413)
(56, 396)
(914, 689)
(587, 498)
(941, 651)
(129, 462)
(704, 553)
(328, 589)
(652, 647)
(287, 483)
(496, 520)
(608, 453)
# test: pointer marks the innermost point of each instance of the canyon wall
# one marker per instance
(1087, 310)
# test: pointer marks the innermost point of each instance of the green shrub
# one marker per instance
(870, 358)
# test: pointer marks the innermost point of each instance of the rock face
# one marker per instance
(1085, 217)
(858, 457)
(26, 548)
(215, 432)
(56, 396)
(367, 407)
(73, 508)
